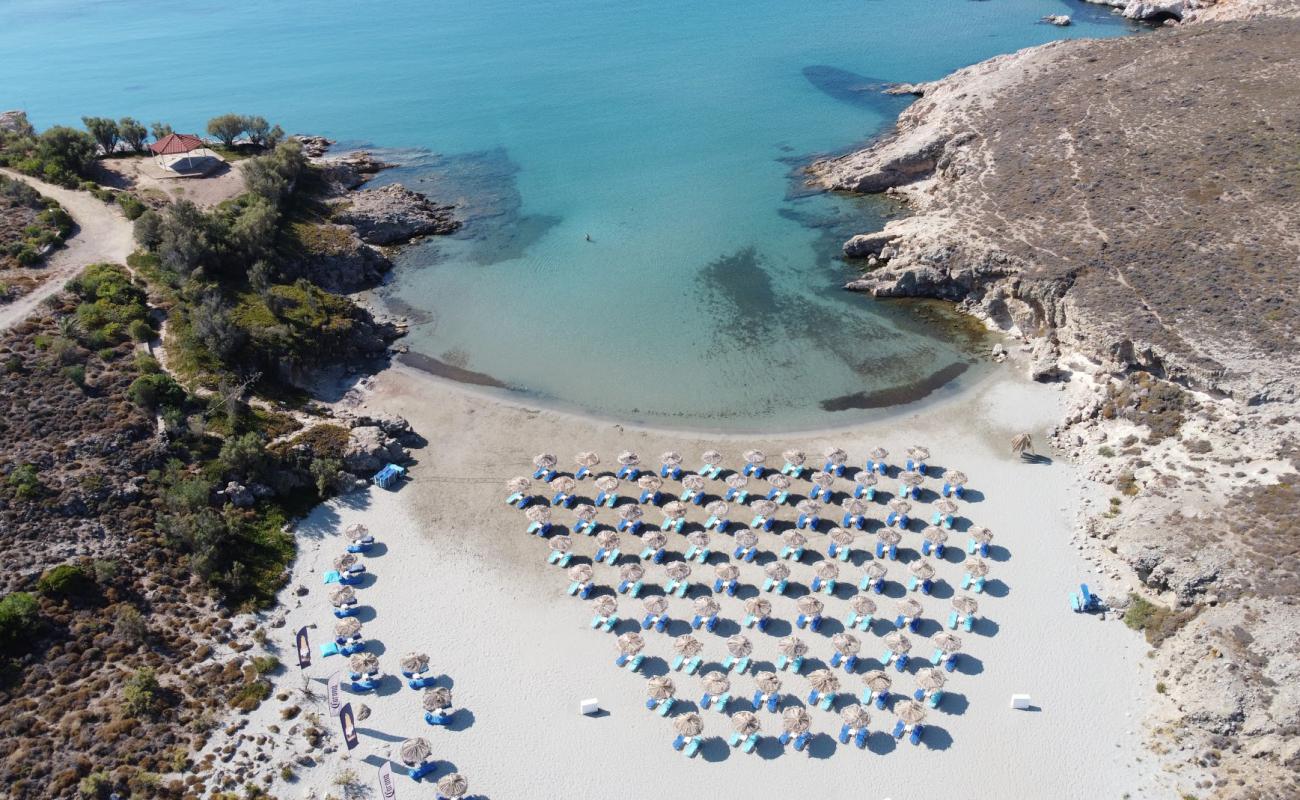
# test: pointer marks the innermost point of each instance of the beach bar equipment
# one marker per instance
(887, 541)
(929, 682)
(909, 485)
(359, 538)
(589, 707)
(344, 600)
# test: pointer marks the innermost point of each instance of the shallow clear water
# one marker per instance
(708, 295)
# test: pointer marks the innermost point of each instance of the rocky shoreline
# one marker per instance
(1051, 201)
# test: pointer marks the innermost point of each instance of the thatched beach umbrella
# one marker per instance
(875, 570)
(650, 482)
(347, 627)
(677, 570)
(631, 572)
(660, 687)
(414, 662)
(746, 538)
(717, 508)
(607, 540)
(585, 512)
(436, 698)
(605, 606)
(737, 480)
(977, 568)
(846, 643)
(364, 663)
(862, 605)
(716, 683)
(655, 604)
(607, 483)
(687, 645)
(630, 513)
(878, 454)
(835, 456)
(768, 682)
(923, 570)
(726, 572)
(796, 720)
(630, 643)
(877, 680)
(564, 485)
(586, 459)
(343, 562)
(414, 752)
(689, 725)
(931, 679)
(628, 458)
(855, 716)
(911, 479)
(898, 642)
(866, 478)
(712, 458)
(965, 605)
(823, 479)
(910, 712)
(764, 508)
(759, 607)
(945, 506)
(810, 508)
(918, 453)
(545, 461)
(356, 531)
(853, 507)
(778, 481)
(888, 537)
(518, 485)
(795, 458)
(981, 535)
(777, 571)
(935, 535)
(1022, 443)
(539, 514)
(675, 509)
(693, 482)
(792, 646)
(453, 785)
(671, 459)
(343, 596)
(698, 538)
(745, 723)
(809, 605)
(706, 606)
(654, 540)
(739, 646)
(827, 571)
(755, 457)
(581, 573)
(561, 544)
(955, 478)
(900, 506)
(947, 642)
(793, 538)
(843, 536)
(909, 608)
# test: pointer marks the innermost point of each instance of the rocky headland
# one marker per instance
(1130, 209)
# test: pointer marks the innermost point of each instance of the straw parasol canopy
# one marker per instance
(853, 506)
(586, 459)
(955, 478)
(794, 538)
(737, 480)
(1022, 443)
(364, 663)
(343, 596)
(889, 537)
(415, 662)
(630, 513)
(415, 751)
(711, 457)
(823, 479)
(675, 509)
(607, 483)
(965, 604)
(356, 531)
(809, 605)
(716, 682)
(564, 484)
(978, 568)
(846, 643)
(689, 724)
(945, 505)
(519, 484)
(878, 454)
(877, 680)
(628, 458)
(581, 573)
(855, 716)
(678, 570)
(650, 482)
(754, 456)
(835, 455)
(911, 479)
(764, 508)
(698, 538)
(605, 605)
(706, 605)
(760, 607)
(824, 680)
(341, 563)
(981, 535)
(687, 645)
(655, 604)
(934, 534)
(585, 512)
(910, 608)
(544, 461)
(539, 514)
(947, 642)
(661, 687)
(453, 785)
(562, 544)
(910, 711)
(654, 539)
(862, 605)
(796, 720)
(828, 571)
(898, 642)
(607, 540)
(745, 723)
(436, 698)
(923, 570)
(900, 506)
(693, 482)
(739, 646)
(795, 457)
(792, 647)
(630, 643)
(671, 459)
(745, 538)
(810, 507)
(726, 572)
(718, 508)
(843, 536)
(875, 570)
(777, 571)
(346, 627)
(632, 572)
(931, 679)
(866, 478)
(918, 453)
(779, 481)
(768, 682)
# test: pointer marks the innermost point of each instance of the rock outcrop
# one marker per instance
(338, 261)
(393, 214)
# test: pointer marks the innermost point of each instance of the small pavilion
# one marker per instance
(176, 144)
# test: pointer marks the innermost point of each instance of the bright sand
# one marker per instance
(456, 576)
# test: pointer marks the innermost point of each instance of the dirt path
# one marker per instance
(102, 234)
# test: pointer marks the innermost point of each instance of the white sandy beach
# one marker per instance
(456, 576)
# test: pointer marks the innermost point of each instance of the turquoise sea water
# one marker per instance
(668, 131)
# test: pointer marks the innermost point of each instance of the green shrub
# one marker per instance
(142, 695)
(19, 616)
(25, 480)
(140, 330)
(156, 390)
(95, 786)
(76, 373)
(66, 580)
(131, 205)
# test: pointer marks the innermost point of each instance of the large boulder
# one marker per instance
(369, 449)
(394, 214)
(868, 244)
(336, 260)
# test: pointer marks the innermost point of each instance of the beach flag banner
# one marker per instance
(387, 786)
(334, 693)
(349, 723)
(304, 648)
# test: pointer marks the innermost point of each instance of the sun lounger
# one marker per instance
(716, 702)
(420, 771)
(808, 521)
(973, 546)
(749, 744)
(895, 518)
(949, 490)
(792, 553)
(665, 706)
(794, 664)
(823, 701)
(899, 728)
(879, 700)
(708, 623)
(582, 473)
(935, 699)
(849, 663)
(351, 648)
(563, 500)
(585, 526)
(539, 528)
(628, 473)
(650, 497)
(779, 587)
(740, 665)
(856, 620)
(607, 499)
(778, 496)
(890, 552)
(515, 499)
(544, 474)
(915, 737)
(438, 719)
(345, 612)
(559, 557)
(762, 622)
(877, 586)
(329, 649)
(725, 586)
(864, 492)
(332, 576)
(915, 583)
(675, 473)
(632, 664)
(361, 545)
(812, 623)
(649, 554)
(745, 554)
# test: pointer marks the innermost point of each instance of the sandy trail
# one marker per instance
(102, 234)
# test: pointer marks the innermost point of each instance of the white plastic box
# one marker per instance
(590, 706)
(1020, 701)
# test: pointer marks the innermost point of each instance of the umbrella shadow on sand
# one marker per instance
(778, 627)
(941, 590)
(463, 719)
(969, 495)
(377, 550)
(984, 626)
(999, 553)
(653, 667)
(996, 588)
(954, 703)
(821, 746)
(365, 614)
(968, 664)
(936, 738)
(389, 685)
(714, 749)
(881, 743)
(726, 627)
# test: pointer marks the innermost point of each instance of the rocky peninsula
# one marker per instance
(1129, 209)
